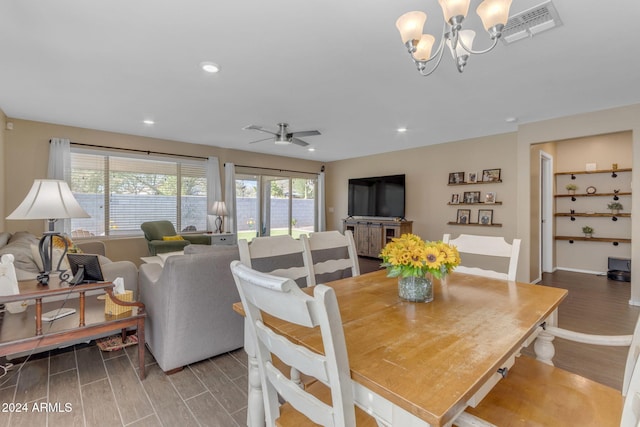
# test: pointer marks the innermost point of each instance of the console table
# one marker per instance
(20, 332)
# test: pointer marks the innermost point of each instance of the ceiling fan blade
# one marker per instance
(299, 142)
(258, 128)
(260, 140)
(305, 133)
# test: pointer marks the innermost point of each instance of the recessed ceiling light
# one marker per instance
(511, 119)
(401, 129)
(210, 67)
(148, 122)
(311, 149)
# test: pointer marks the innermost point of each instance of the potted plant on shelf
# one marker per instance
(615, 207)
(571, 188)
(588, 231)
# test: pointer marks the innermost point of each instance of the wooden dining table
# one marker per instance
(422, 364)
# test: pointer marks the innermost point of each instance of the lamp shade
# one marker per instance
(219, 208)
(49, 199)
(451, 8)
(493, 12)
(423, 49)
(467, 37)
(410, 25)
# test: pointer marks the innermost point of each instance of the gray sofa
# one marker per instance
(21, 245)
(189, 306)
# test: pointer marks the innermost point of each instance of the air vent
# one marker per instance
(531, 22)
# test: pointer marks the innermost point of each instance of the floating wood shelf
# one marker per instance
(479, 182)
(620, 215)
(593, 239)
(596, 171)
(475, 224)
(477, 203)
(593, 195)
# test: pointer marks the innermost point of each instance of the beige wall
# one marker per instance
(26, 150)
(3, 126)
(427, 191)
(583, 125)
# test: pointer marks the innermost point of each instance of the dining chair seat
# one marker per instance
(289, 417)
(486, 246)
(539, 394)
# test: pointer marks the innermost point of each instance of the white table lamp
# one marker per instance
(220, 210)
(49, 199)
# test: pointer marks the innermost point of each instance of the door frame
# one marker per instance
(546, 246)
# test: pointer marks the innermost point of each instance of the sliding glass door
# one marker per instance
(271, 205)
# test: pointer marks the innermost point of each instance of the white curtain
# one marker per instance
(230, 225)
(322, 220)
(214, 188)
(60, 168)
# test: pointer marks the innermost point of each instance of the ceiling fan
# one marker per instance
(282, 136)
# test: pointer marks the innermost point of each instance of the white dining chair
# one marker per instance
(492, 246)
(536, 393)
(331, 255)
(279, 255)
(281, 298)
(282, 256)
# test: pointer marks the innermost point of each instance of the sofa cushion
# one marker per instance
(217, 249)
(4, 238)
(20, 247)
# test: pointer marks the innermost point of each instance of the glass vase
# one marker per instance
(415, 289)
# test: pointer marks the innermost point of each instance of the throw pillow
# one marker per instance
(58, 242)
(4, 238)
(172, 238)
(20, 247)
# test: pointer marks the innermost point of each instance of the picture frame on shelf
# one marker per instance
(463, 216)
(491, 175)
(490, 197)
(471, 197)
(456, 177)
(485, 216)
(455, 198)
(472, 177)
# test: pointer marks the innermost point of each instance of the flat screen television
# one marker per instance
(380, 196)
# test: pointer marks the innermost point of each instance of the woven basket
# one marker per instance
(113, 309)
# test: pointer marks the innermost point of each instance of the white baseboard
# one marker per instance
(634, 302)
(577, 270)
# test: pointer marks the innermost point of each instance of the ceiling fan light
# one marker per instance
(410, 25)
(423, 48)
(493, 13)
(467, 37)
(453, 8)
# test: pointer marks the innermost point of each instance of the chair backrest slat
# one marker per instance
(330, 255)
(494, 246)
(278, 255)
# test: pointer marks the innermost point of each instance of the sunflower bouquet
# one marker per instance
(409, 255)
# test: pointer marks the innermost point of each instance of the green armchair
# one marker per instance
(155, 231)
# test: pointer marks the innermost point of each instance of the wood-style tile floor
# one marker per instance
(88, 387)
(95, 388)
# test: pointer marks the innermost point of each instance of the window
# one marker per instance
(121, 192)
(268, 205)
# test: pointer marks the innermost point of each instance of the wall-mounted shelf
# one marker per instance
(478, 182)
(475, 224)
(477, 203)
(614, 240)
(595, 171)
(593, 195)
(620, 215)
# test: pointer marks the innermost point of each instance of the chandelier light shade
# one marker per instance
(49, 199)
(410, 25)
(219, 209)
(493, 13)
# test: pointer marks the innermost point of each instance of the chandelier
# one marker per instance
(493, 13)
